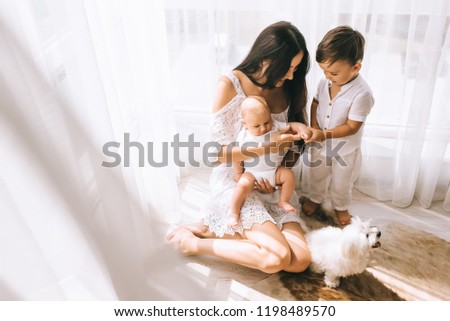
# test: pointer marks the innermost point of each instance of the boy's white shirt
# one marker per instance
(354, 101)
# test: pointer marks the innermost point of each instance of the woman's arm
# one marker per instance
(224, 93)
(279, 140)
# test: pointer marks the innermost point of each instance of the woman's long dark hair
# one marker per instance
(278, 44)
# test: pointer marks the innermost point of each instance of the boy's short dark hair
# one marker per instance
(341, 43)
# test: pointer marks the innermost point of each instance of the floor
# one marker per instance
(232, 282)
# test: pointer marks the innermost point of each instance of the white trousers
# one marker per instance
(336, 176)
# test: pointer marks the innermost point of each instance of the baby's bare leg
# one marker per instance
(285, 177)
(244, 187)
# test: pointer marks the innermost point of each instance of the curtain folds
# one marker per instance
(411, 115)
(75, 76)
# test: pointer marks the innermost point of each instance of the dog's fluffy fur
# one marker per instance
(342, 252)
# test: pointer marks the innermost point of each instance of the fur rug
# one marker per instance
(413, 263)
(410, 265)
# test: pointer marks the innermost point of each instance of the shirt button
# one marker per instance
(325, 128)
(328, 116)
(330, 103)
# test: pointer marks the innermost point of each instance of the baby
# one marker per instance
(257, 125)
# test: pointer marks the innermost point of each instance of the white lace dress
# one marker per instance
(258, 207)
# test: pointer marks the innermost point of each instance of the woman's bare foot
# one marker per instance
(286, 206)
(309, 207)
(233, 221)
(344, 218)
(200, 230)
(183, 240)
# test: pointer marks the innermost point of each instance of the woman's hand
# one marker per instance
(284, 137)
(302, 130)
(317, 136)
(263, 186)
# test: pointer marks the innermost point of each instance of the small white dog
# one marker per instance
(342, 252)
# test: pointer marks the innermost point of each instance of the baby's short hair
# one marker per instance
(248, 104)
(341, 43)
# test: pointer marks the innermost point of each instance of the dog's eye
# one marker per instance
(367, 235)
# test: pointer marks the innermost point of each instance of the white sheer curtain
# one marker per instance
(74, 76)
(407, 136)
(406, 151)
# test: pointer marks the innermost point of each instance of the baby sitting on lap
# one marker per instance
(257, 126)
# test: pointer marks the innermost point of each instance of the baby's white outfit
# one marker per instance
(266, 165)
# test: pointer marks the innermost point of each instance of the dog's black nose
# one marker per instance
(379, 234)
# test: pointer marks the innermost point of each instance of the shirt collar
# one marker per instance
(352, 82)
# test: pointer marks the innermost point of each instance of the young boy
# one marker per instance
(338, 112)
(257, 124)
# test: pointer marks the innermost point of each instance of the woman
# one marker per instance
(269, 238)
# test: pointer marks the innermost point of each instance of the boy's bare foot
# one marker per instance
(183, 241)
(344, 218)
(309, 207)
(286, 206)
(233, 221)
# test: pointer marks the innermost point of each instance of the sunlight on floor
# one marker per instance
(404, 287)
(224, 288)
